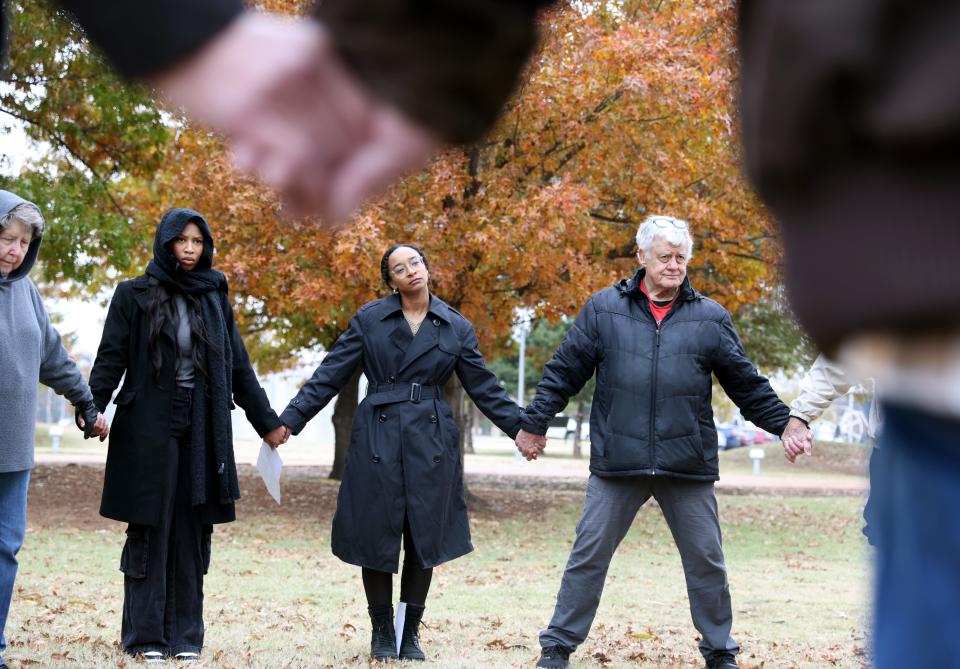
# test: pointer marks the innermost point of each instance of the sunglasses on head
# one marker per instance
(664, 221)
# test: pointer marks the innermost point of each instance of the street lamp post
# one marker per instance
(522, 329)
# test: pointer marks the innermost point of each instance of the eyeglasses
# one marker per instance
(414, 264)
(664, 221)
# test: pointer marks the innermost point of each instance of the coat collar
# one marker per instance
(631, 288)
(390, 305)
(438, 313)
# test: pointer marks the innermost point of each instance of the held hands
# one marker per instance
(277, 436)
(530, 445)
(295, 116)
(797, 439)
(100, 427)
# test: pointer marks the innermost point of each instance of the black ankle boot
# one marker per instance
(410, 641)
(383, 639)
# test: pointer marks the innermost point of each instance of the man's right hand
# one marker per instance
(530, 445)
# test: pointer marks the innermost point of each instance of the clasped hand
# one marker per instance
(295, 116)
(278, 436)
(100, 429)
(530, 445)
(797, 439)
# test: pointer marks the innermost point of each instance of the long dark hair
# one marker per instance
(162, 309)
(385, 264)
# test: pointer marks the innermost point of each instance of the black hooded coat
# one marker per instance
(135, 468)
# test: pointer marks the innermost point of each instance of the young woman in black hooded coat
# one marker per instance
(170, 473)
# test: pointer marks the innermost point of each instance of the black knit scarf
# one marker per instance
(214, 470)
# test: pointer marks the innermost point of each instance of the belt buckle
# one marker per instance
(415, 392)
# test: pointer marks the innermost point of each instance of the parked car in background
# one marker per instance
(564, 427)
(726, 435)
(747, 434)
(732, 435)
(557, 427)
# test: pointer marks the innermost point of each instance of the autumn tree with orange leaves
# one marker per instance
(624, 112)
(627, 109)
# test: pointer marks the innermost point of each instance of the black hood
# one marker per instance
(9, 201)
(170, 226)
(164, 266)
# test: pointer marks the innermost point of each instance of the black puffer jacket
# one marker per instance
(652, 410)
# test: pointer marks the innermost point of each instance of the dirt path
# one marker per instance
(67, 494)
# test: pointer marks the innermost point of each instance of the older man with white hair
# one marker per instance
(654, 343)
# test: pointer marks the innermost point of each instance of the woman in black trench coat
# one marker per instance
(170, 469)
(403, 476)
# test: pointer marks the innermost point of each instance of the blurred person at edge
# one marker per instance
(851, 124)
(30, 351)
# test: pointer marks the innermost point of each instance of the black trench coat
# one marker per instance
(134, 478)
(404, 457)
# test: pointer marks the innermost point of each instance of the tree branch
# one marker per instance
(610, 218)
(60, 141)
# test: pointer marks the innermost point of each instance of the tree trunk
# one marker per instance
(343, 412)
(456, 397)
(469, 420)
(581, 409)
(454, 394)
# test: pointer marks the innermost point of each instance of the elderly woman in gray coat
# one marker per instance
(30, 351)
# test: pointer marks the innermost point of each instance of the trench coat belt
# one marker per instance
(390, 393)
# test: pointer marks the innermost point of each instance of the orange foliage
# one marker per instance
(624, 112)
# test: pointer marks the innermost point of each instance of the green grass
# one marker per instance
(276, 597)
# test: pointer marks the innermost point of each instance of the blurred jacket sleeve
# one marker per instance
(824, 382)
(447, 64)
(144, 38)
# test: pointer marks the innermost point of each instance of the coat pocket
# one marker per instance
(124, 397)
(206, 545)
(136, 551)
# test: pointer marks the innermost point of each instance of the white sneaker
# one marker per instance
(153, 657)
(188, 656)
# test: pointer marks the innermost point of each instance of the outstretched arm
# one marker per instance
(748, 389)
(483, 387)
(565, 374)
(247, 391)
(335, 370)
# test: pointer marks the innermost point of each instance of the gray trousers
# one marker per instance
(690, 509)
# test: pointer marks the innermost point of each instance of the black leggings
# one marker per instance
(414, 581)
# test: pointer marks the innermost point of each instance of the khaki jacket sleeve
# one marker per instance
(823, 383)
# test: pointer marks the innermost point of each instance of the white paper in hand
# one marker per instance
(269, 464)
